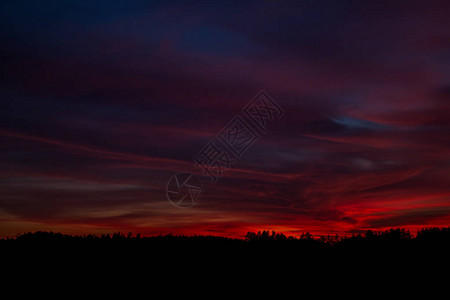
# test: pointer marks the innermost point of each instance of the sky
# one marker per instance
(102, 102)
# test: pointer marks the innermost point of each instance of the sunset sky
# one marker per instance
(102, 102)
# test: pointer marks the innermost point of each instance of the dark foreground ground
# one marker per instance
(268, 257)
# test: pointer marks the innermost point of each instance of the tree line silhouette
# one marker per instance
(393, 236)
(262, 250)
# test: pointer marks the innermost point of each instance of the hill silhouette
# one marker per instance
(259, 254)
